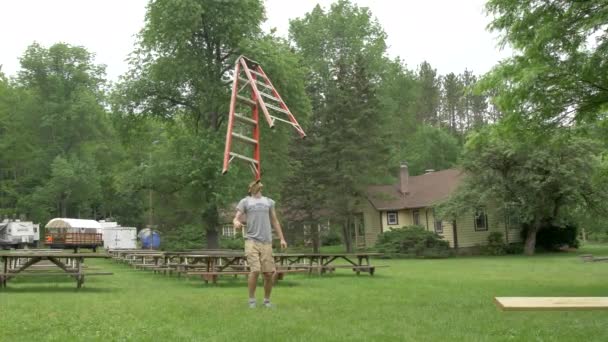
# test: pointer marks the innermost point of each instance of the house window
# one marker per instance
(228, 230)
(392, 218)
(481, 220)
(438, 223)
(416, 217)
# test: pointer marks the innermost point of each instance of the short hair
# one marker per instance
(255, 187)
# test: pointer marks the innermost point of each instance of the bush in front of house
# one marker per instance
(496, 244)
(331, 238)
(553, 238)
(412, 242)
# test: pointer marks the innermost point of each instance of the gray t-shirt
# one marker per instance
(258, 217)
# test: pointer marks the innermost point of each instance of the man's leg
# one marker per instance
(253, 260)
(268, 282)
(252, 282)
(268, 268)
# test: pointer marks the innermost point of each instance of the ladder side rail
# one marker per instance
(232, 109)
(276, 94)
(258, 97)
(255, 113)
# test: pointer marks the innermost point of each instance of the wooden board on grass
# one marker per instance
(551, 303)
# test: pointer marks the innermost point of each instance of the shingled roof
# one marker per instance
(422, 191)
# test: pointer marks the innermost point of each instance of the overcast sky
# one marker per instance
(450, 34)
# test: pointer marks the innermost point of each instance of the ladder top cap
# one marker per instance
(249, 61)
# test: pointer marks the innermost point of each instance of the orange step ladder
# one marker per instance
(252, 90)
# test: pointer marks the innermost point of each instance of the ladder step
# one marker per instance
(246, 100)
(244, 119)
(277, 108)
(244, 138)
(285, 121)
(242, 79)
(268, 96)
(242, 157)
(257, 73)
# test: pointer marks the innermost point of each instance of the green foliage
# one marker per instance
(331, 238)
(535, 178)
(431, 148)
(558, 72)
(236, 243)
(412, 241)
(182, 238)
(496, 244)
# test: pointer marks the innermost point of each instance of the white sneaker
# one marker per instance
(267, 304)
(252, 304)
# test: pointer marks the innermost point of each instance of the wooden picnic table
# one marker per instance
(323, 262)
(15, 263)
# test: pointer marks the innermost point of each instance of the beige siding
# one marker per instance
(404, 218)
(469, 237)
(447, 234)
(376, 222)
(371, 221)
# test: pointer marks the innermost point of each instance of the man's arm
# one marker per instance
(277, 227)
(237, 220)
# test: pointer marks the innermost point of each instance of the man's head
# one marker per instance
(255, 187)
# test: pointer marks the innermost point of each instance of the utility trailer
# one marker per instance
(68, 233)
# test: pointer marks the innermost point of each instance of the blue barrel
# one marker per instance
(149, 239)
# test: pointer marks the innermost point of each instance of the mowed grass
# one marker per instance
(412, 300)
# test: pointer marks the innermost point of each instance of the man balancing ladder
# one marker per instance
(258, 239)
(253, 91)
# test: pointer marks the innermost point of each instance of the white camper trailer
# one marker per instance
(19, 234)
(115, 236)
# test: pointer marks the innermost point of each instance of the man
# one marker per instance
(258, 238)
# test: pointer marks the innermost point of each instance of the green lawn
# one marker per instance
(412, 300)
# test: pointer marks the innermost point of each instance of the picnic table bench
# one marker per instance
(17, 264)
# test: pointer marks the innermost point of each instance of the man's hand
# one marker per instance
(237, 224)
(283, 244)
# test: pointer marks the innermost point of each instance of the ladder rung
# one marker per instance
(257, 73)
(283, 120)
(244, 118)
(268, 96)
(257, 82)
(242, 157)
(244, 138)
(277, 108)
(246, 100)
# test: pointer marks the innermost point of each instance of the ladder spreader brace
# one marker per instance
(252, 88)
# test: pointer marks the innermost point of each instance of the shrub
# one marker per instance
(332, 238)
(236, 242)
(553, 237)
(412, 241)
(496, 244)
(514, 248)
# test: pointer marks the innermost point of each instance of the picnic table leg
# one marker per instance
(80, 276)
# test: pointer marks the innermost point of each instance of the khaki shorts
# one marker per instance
(259, 256)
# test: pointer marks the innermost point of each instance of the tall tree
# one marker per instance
(538, 179)
(453, 111)
(429, 100)
(344, 49)
(57, 114)
(559, 71)
(180, 73)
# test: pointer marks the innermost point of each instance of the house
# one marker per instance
(411, 202)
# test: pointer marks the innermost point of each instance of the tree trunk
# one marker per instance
(530, 243)
(315, 237)
(347, 236)
(211, 222)
(213, 239)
